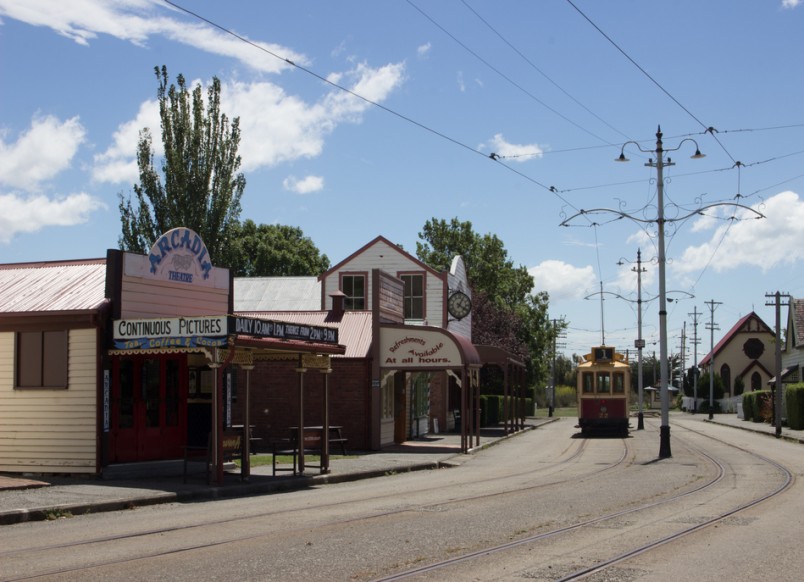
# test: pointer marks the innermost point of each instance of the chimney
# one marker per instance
(337, 309)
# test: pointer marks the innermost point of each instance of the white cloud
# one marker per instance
(304, 185)
(562, 280)
(423, 50)
(275, 127)
(118, 164)
(136, 21)
(790, 3)
(777, 239)
(516, 152)
(20, 215)
(40, 153)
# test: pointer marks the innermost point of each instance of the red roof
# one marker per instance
(730, 335)
(56, 286)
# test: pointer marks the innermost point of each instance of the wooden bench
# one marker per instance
(311, 446)
(232, 450)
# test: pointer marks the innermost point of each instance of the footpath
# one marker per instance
(31, 498)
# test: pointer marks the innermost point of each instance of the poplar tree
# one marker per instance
(197, 184)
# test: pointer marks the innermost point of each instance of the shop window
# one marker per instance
(150, 391)
(41, 359)
(387, 398)
(414, 296)
(126, 418)
(172, 393)
(354, 287)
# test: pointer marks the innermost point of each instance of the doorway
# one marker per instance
(149, 417)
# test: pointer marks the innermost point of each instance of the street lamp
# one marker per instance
(660, 164)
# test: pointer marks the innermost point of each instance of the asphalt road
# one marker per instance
(542, 506)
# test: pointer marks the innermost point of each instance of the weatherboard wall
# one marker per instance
(51, 431)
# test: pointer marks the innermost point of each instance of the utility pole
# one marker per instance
(695, 341)
(777, 402)
(711, 326)
(552, 400)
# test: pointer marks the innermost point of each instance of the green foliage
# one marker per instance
(202, 186)
(703, 387)
(794, 402)
(505, 312)
(757, 406)
(274, 250)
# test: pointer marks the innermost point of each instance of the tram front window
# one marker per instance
(588, 383)
(603, 383)
(619, 382)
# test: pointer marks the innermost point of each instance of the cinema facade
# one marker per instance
(108, 363)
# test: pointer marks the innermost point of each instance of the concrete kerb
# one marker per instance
(240, 489)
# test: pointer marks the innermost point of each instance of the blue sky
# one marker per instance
(553, 88)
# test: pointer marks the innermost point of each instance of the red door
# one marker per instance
(148, 412)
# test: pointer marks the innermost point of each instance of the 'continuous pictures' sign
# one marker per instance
(177, 332)
(282, 330)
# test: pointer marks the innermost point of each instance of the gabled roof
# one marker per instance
(393, 246)
(726, 339)
(797, 322)
(52, 287)
(277, 294)
(354, 327)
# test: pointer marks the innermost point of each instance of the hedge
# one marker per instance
(794, 401)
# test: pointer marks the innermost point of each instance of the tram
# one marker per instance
(604, 392)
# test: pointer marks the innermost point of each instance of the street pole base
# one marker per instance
(550, 412)
(664, 443)
(640, 422)
(711, 413)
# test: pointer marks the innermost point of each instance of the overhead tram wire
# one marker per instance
(542, 73)
(506, 77)
(707, 128)
(492, 156)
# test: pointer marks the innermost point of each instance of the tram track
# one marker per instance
(599, 566)
(572, 455)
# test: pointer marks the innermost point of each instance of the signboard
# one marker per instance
(175, 332)
(410, 348)
(181, 256)
(282, 330)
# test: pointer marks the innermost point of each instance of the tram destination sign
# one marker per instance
(264, 328)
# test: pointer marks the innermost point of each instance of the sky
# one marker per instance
(365, 118)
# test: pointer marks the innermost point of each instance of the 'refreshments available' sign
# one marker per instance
(179, 332)
(180, 255)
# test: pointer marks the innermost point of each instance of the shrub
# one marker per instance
(749, 405)
(794, 401)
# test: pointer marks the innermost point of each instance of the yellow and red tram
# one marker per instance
(604, 391)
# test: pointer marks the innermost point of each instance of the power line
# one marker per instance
(708, 129)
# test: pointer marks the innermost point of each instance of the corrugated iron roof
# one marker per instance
(277, 294)
(354, 328)
(61, 286)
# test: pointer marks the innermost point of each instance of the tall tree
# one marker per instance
(487, 264)
(202, 186)
(274, 250)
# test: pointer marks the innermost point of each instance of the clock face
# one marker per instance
(459, 305)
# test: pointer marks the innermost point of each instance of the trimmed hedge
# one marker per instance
(794, 401)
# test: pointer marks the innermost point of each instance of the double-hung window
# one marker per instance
(414, 295)
(354, 287)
